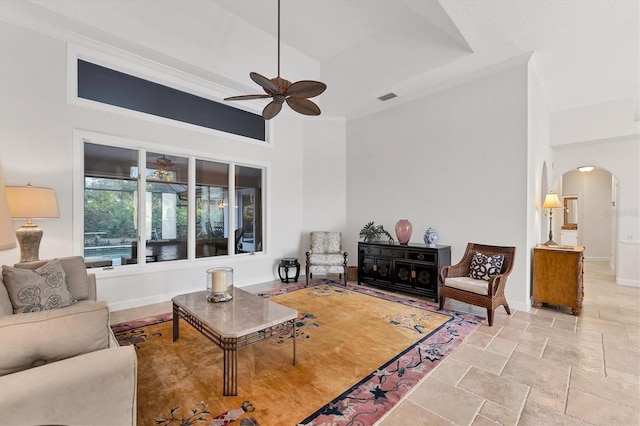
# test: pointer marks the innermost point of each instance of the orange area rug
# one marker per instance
(359, 352)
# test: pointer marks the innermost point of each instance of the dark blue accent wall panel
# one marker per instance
(112, 87)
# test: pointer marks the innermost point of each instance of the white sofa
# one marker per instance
(64, 366)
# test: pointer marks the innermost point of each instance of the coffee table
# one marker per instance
(240, 322)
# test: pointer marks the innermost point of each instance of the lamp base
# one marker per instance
(550, 243)
(29, 237)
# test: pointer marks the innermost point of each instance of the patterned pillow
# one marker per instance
(37, 290)
(484, 267)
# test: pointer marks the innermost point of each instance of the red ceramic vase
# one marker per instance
(403, 231)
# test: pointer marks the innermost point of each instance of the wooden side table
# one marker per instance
(557, 276)
(285, 264)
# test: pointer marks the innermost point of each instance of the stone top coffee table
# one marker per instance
(242, 321)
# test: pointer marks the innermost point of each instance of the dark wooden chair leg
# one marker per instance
(506, 308)
(490, 316)
(441, 304)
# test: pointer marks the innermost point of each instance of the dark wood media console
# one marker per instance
(411, 268)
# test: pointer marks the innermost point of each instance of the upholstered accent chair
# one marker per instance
(480, 277)
(325, 255)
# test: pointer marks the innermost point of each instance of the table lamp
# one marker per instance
(29, 202)
(7, 239)
(551, 201)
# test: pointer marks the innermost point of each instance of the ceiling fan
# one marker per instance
(295, 94)
(164, 163)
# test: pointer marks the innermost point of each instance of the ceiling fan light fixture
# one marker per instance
(280, 90)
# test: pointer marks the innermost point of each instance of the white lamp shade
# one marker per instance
(7, 233)
(551, 201)
(31, 202)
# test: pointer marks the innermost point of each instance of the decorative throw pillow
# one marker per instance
(484, 267)
(37, 290)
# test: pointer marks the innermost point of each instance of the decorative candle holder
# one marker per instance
(219, 284)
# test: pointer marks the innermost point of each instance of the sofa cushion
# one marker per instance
(468, 284)
(484, 267)
(38, 338)
(38, 290)
(75, 270)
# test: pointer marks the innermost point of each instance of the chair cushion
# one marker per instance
(484, 267)
(326, 259)
(75, 270)
(468, 284)
(325, 242)
(41, 289)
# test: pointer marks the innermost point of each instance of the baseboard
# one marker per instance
(597, 259)
(159, 298)
(518, 306)
(628, 283)
(150, 300)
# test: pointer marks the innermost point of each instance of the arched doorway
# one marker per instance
(589, 217)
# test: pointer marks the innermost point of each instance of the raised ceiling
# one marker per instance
(588, 51)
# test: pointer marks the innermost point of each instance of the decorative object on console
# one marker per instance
(7, 239)
(430, 237)
(403, 231)
(551, 201)
(220, 284)
(372, 232)
(281, 90)
(29, 202)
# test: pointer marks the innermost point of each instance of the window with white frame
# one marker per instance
(116, 217)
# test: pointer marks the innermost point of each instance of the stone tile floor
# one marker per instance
(542, 367)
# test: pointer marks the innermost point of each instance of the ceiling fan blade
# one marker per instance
(303, 106)
(271, 110)
(306, 89)
(246, 97)
(266, 84)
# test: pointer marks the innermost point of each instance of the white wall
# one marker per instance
(539, 155)
(455, 161)
(593, 190)
(324, 198)
(606, 120)
(36, 145)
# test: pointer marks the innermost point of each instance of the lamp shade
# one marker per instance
(7, 233)
(31, 202)
(551, 201)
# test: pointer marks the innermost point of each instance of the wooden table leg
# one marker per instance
(294, 335)
(230, 367)
(176, 322)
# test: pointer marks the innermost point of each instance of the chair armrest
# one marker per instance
(497, 283)
(452, 271)
(98, 388)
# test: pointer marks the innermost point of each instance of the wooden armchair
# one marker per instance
(456, 282)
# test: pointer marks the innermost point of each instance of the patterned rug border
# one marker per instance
(371, 397)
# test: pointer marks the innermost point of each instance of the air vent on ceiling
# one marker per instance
(388, 96)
